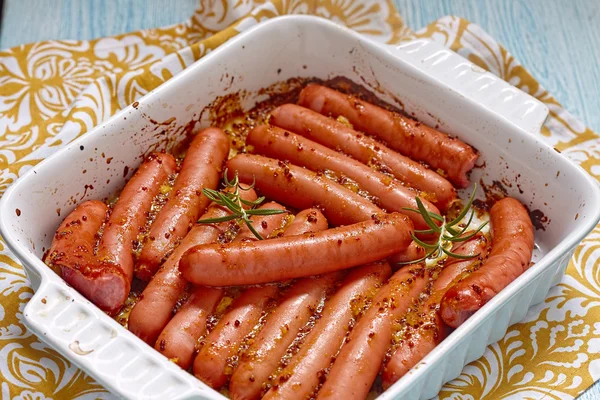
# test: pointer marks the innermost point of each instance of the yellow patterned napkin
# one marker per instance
(52, 92)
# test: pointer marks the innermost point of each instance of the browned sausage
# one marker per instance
(201, 169)
(178, 339)
(155, 307)
(356, 366)
(301, 188)
(512, 247)
(277, 143)
(298, 256)
(72, 251)
(265, 225)
(410, 137)
(338, 136)
(300, 378)
(106, 281)
(307, 221)
(283, 324)
(426, 329)
(214, 364)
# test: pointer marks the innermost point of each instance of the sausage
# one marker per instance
(214, 362)
(201, 169)
(155, 307)
(510, 256)
(307, 221)
(301, 188)
(178, 339)
(406, 135)
(338, 136)
(106, 280)
(297, 256)
(300, 378)
(412, 253)
(426, 330)
(357, 365)
(72, 251)
(277, 143)
(284, 323)
(455, 269)
(264, 225)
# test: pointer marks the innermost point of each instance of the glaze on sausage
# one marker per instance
(406, 135)
(298, 256)
(356, 366)
(301, 188)
(340, 137)
(302, 375)
(426, 329)
(391, 195)
(510, 256)
(155, 307)
(284, 323)
(178, 340)
(201, 169)
(216, 358)
(108, 281)
(72, 251)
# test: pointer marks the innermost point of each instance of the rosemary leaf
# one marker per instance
(423, 244)
(426, 216)
(263, 211)
(466, 208)
(459, 256)
(217, 220)
(251, 227)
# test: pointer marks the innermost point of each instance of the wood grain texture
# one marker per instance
(557, 40)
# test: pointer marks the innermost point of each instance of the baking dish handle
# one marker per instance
(117, 359)
(474, 83)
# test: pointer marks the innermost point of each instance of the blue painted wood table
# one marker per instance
(557, 40)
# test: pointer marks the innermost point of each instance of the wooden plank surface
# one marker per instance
(557, 40)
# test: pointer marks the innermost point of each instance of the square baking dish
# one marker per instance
(428, 81)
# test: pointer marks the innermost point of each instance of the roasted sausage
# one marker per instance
(155, 307)
(338, 136)
(301, 188)
(106, 280)
(72, 251)
(425, 330)
(301, 377)
(510, 256)
(298, 256)
(406, 135)
(215, 360)
(356, 366)
(201, 169)
(277, 143)
(178, 340)
(284, 323)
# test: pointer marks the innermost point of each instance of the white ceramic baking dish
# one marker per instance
(435, 84)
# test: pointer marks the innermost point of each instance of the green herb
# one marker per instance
(230, 199)
(448, 233)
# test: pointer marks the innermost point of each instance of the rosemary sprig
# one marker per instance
(231, 200)
(447, 232)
